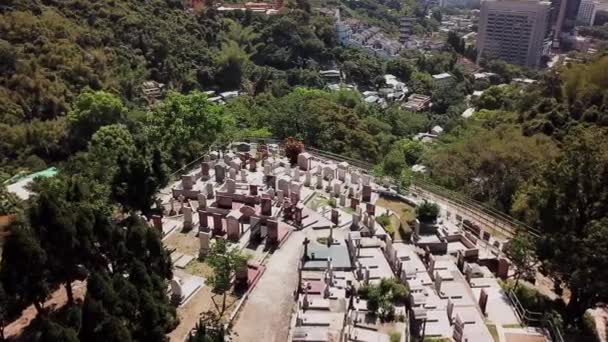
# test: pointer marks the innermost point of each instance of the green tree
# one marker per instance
(107, 146)
(91, 111)
(22, 252)
(522, 254)
(400, 67)
(427, 212)
(225, 263)
(566, 201)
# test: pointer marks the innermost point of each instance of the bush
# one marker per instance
(427, 212)
(332, 202)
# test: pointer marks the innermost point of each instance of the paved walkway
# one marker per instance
(266, 314)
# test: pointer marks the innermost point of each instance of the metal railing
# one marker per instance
(536, 319)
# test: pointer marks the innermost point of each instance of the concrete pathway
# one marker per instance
(267, 312)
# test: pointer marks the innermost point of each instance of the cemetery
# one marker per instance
(321, 216)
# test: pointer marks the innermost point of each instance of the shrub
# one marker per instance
(427, 212)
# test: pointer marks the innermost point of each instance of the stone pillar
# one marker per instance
(220, 173)
(230, 185)
(205, 167)
(330, 239)
(335, 216)
(253, 189)
(366, 195)
(266, 206)
(187, 217)
(202, 201)
(319, 182)
(204, 239)
(187, 182)
(307, 178)
(273, 232)
(209, 190)
(218, 225)
(202, 220)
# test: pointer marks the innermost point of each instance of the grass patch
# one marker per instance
(493, 332)
(516, 325)
(198, 268)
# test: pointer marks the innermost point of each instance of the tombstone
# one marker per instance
(266, 206)
(253, 189)
(365, 179)
(232, 173)
(204, 239)
(206, 158)
(335, 216)
(271, 193)
(319, 182)
(241, 277)
(297, 214)
(366, 279)
(370, 209)
(450, 309)
(233, 228)
(330, 270)
(431, 266)
(218, 225)
(296, 174)
(267, 170)
(355, 223)
(271, 182)
(176, 291)
(458, 334)
(294, 197)
(337, 189)
(468, 272)
(187, 218)
(224, 202)
(460, 260)
(483, 301)
(330, 239)
(304, 161)
(341, 174)
(187, 182)
(342, 200)
(209, 190)
(307, 178)
(354, 178)
(272, 232)
(157, 220)
(243, 175)
(202, 201)
(371, 225)
(351, 192)
(280, 197)
(486, 236)
(417, 227)
(202, 221)
(438, 281)
(366, 193)
(220, 173)
(253, 165)
(354, 203)
(230, 186)
(503, 268)
(181, 203)
(205, 166)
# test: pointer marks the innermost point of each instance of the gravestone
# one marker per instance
(319, 182)
(267, 169)
(157, 220)
(202, 221)
(205, 167)
(450, 309)
(224, 202)
(187, 182)
(354, 203)
(233, 228)
(365, 179)
(296, 174)
(337, 189)
(271, 193)
(187, 218)
(232, 173)
(280, 197)
(220, 173)
(243, 175)
(438, 281)
(503, 268)
(253, 189)
(307, 178)
(370, 209)
(266, 206)
(272, 232)
(355, 221)
(335, 216)
(202, 201)
(218, 224)
(209, 191)
(366, 193)
(342, 200)
(483, 301)
(176, 291)
(204, 239)
(354, 178)
(230, 186)
(304, 161)
(253, 165)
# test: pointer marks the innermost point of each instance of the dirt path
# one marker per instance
(267, 313)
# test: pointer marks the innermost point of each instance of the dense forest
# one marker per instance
(70, 96)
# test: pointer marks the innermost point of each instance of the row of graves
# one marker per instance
(453, 279)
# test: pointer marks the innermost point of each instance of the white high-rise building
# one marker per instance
(586, 12)
(512, 30)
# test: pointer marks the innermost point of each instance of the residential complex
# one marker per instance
(586, 12)
(512, 30)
